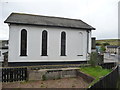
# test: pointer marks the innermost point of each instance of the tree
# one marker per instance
(98, 44)
(103, 48)
(93, 59)
(105, 44)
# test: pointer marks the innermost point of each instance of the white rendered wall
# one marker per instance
(76, 44)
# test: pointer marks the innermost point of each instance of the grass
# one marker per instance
(96, 72)
(110, 41)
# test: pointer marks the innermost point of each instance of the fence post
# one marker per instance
(27, 73)
(118, 70)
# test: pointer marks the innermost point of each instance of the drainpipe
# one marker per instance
(87, 41)
(87, 56)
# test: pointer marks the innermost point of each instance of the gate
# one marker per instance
(14, 74)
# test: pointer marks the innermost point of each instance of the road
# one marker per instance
(111, 58)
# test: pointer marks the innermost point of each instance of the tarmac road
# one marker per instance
(111, 58)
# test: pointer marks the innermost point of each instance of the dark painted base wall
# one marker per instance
(12, 64)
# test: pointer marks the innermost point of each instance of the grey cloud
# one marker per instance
(100, 14)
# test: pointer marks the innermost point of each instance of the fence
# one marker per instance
(20, 74)
(109, 81)
(108, 65)
(14, 74)
(11, 74)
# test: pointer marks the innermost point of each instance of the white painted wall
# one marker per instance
(76, 44)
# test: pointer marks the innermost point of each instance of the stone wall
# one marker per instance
(48, 74)
(85, 76)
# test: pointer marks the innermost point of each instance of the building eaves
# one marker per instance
(28, 19)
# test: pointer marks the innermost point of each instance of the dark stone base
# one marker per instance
(12, 64)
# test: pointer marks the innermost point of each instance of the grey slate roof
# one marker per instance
(112, 46)
(29, 19)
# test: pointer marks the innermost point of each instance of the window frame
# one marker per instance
(23, 43)
(63, 44)
(44, 49)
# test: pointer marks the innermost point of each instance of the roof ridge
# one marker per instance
(75, 23)
(48, 16)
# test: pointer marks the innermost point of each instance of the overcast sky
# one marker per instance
(101, 14)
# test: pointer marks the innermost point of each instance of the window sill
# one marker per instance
(44, 55)
(23, 55)
(79, 55)
(63, 55)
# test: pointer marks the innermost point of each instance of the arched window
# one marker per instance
(44, 43)
(63, 44)
(23, 51)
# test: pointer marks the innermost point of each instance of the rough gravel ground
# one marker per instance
(77, 82)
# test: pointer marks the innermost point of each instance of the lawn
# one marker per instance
(96, 72)
(110, 41)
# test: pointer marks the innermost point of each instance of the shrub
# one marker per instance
(98, 44)
(93, 59)
(105, 44)
(103, 48)
(43, 77)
